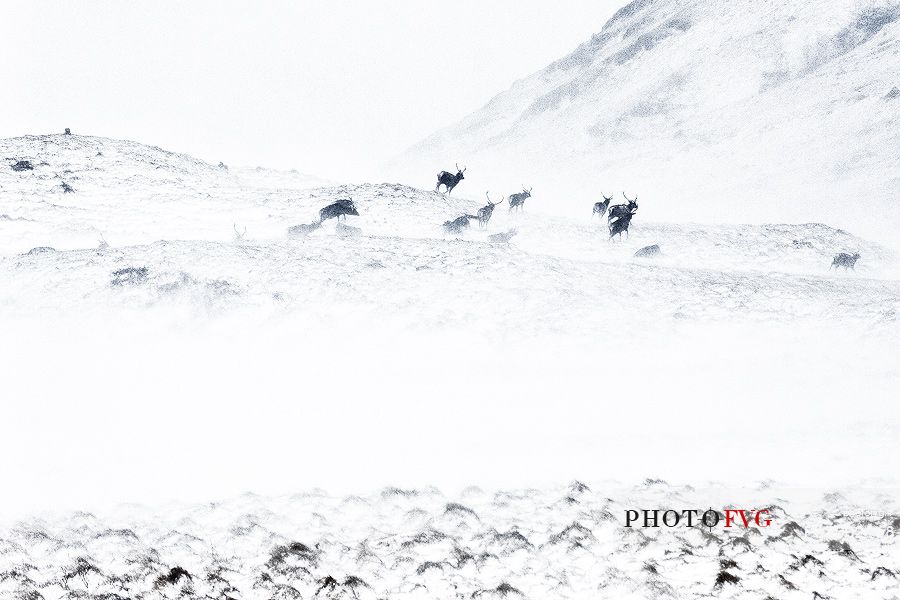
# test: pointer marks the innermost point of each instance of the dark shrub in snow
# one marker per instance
(130, 276)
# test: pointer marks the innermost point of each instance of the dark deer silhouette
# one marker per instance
(339, 209)
(620, 217)
(517, 201)
(484, 213)
(600, 207)
(459, 224)
(450, 180)
(848, 261)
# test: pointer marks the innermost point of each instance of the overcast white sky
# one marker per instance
(327, 87)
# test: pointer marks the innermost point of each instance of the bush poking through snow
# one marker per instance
(504, 590)
(725, 577)
(303, 229)
(842, 548)
(648, 251)
(130, 276)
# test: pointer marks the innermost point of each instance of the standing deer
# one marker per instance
(600, 207)
(620, 217)
(339, 209)
(517, 201)
(484, 213)
(450, 180)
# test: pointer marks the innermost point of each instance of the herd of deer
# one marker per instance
(619, 219)
(619, 216)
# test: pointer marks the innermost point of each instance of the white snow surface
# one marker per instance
(559, 542)
(220, 362)
(738, 111)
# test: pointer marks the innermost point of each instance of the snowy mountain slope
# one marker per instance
(179, 361)
(561, 542)
(712, 111)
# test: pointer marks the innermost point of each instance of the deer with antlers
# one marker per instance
(517, 201)
(484, 213)
(449, 180)
(600, 207)
(620, 217)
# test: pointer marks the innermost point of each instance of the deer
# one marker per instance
(449, 180)
(600, 207)
(620, 217)
(484, 213)
(843, 259)
(339, 209)
(517, 201)
(459, 224)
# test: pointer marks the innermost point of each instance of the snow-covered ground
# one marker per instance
(163, 336)
(560, 542)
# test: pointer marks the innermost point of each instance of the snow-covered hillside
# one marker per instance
(118, 190)
(199, 349)
(714, 111)
(183, 226)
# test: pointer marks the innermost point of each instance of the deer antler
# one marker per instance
(629, 199)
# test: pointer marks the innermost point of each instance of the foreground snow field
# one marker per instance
(165, 337)
(565, 542)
